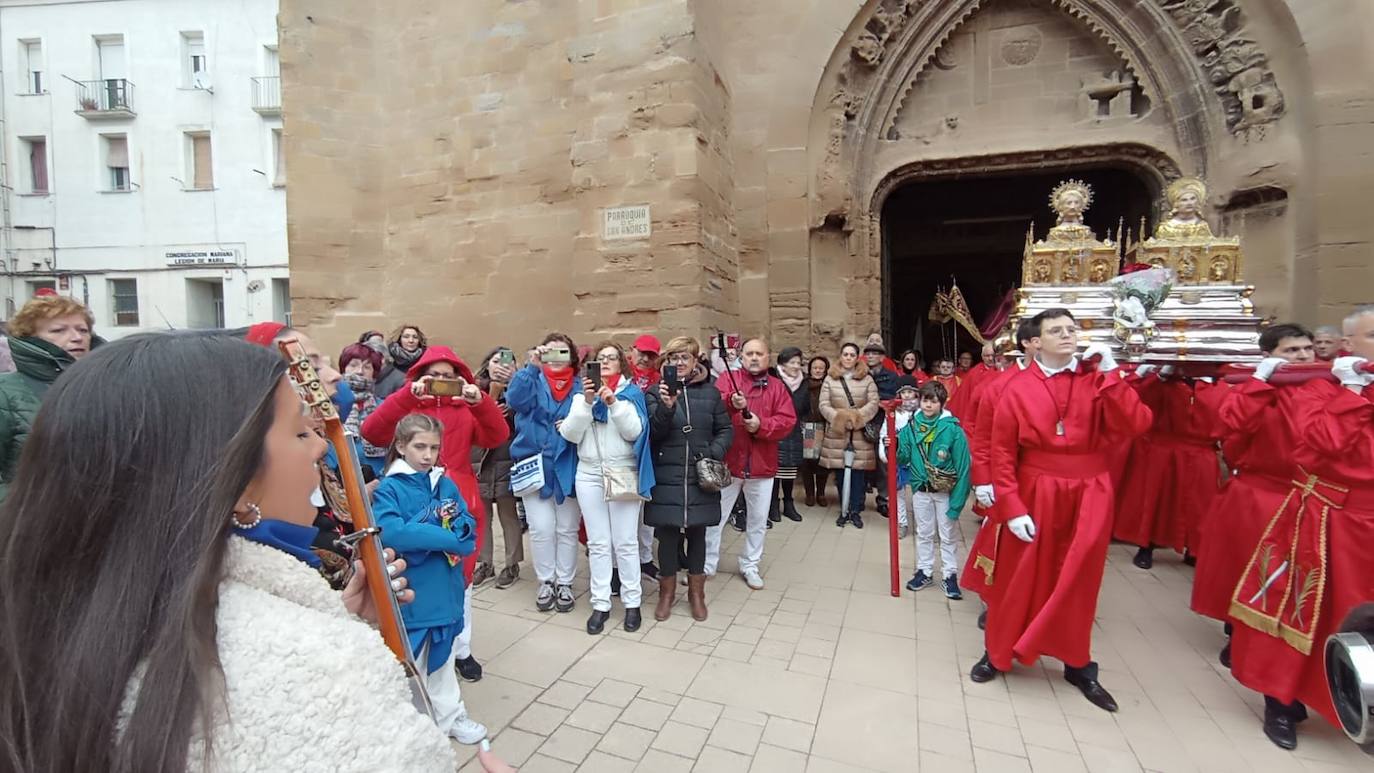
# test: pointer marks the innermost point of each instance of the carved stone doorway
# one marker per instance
(971, 229)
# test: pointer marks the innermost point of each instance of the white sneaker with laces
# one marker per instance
(466, 731)
(753, 579)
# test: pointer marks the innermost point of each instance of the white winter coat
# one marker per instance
(615, 438)
(309, 686)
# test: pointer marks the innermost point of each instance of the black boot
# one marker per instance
(1144, 558)
(774, 511)
(1085, 679)
(983, 670)
(632, 619)
(1281, 722)
(597, 622)
(789, 510)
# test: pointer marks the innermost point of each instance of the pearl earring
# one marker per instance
(254, 511)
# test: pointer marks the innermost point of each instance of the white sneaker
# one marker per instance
(752, 578)
(468, 732)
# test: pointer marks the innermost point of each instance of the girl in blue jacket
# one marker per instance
(423, 518)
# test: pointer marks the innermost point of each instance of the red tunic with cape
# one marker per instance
(1311, 565)
(1045, 592)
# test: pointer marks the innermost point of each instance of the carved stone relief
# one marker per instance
(1021, 45)
(1235, 65)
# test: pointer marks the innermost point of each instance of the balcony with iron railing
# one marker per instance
(106, 99)
(267, 95)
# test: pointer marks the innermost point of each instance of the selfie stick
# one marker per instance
(720, 343)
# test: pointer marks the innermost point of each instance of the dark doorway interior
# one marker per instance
(972, 230)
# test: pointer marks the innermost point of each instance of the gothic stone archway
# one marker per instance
(965, 85)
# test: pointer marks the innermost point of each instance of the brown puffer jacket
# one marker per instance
(845, 423)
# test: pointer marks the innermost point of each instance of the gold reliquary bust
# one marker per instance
(1071, 253)
(1185, 243)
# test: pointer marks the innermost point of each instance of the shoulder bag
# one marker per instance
(620, 483)
(939, 481)
(713, 475)
(873, 429)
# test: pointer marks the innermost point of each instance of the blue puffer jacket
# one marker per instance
(409, 507)
(536, 412)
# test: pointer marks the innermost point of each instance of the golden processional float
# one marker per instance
(1176, 297)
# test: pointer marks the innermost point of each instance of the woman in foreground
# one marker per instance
(164, 614)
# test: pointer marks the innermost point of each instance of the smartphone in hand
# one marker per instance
(445, 387)
(671, 380)
(593, 375)
(505, 357)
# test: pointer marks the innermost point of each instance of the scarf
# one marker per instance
(402, 359)
(286, 537)
(612, 381)
(560, 381)
(361, 385)
(600, 411)
(792, 383)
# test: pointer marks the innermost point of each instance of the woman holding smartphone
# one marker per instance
(541, 395)
(687, 422)
(609, 424)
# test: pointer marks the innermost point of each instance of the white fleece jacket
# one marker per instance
(615, 437)
(309, 687)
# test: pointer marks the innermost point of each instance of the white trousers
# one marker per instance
(612, 539)
(553, 538)
(646, 539)
(444, 693)
(462, 646)
(758, 495)
(930, 511)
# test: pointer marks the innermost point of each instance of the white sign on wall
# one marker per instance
(630, 222)
(202, 256)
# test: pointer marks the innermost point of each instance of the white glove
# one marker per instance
(984, 495)
(1347, 369)
(1166, 371)
(1023, 527)
(1098, 349)
(1267, 367)
(1147, 369)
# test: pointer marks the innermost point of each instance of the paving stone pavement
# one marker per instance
(823, 671)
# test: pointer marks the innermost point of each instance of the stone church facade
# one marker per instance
(452, 164)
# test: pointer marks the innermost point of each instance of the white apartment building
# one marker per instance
(142, 171)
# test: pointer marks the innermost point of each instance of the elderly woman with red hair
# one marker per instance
(47, 336)
(360, 365)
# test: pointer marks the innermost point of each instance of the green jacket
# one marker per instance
(37, 364)
(945, 446)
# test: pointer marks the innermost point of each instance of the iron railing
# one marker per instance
(267, 94)
(104, 96)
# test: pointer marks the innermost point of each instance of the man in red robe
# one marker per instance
(1053, 516)
(982, 407)
(1310, 565)
(1258, 435)
(1172, 477)
(960, 403)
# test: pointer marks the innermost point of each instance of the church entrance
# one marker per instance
(971, 231)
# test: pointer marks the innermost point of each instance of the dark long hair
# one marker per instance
(112, 545)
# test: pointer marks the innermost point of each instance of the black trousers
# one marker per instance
(670, 549)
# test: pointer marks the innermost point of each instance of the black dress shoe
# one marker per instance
(1189, 558)
(1281, 722)
(632, 619)
(983, 670)
(1225, 655)
(857, 520)
(597, 622)
(1086, 681)
(1144, 558)
(983, 620)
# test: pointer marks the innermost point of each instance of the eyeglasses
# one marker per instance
(681, 358)
(608, 358)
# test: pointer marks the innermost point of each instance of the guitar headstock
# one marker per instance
(307, 381)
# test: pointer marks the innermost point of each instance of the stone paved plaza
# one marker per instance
(824, 672)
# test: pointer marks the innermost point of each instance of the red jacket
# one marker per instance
(465, 426)
(755, 455)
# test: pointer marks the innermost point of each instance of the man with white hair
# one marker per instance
(1311, 566)
(1326, 343)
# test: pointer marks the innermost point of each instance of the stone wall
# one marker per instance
(450, 162)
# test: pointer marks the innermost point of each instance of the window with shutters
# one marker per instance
(278, 159)
(117, 162)
(36, 158)
(124, 302)
(195, 65)
(31, 62)
(199, 162)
